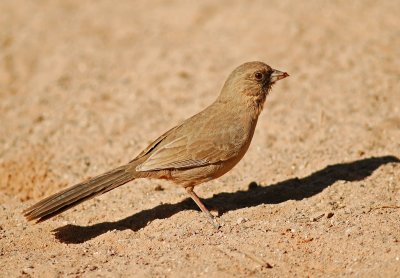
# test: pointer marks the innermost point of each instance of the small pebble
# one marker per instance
(268, 265)
(317, 217)
(241, 220)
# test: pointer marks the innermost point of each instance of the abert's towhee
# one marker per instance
(202, 148)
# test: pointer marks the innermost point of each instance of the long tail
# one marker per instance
(79, 193)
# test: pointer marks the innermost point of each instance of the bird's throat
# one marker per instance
(256, 104)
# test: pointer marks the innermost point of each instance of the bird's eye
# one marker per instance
(259, 75)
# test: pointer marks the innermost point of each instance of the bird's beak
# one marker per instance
(278, 75)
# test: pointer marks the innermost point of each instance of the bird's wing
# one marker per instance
(155, 143)
(187, 150)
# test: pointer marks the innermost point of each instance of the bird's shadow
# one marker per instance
(291, 189)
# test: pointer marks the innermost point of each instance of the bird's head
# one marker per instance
(251, 82)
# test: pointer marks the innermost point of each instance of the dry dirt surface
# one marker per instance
(86, 85)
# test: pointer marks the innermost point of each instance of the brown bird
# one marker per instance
(202, 148)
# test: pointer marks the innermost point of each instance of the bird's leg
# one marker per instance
(203, 208)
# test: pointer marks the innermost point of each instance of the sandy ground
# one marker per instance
(85, 85)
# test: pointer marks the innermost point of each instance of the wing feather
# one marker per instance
(191, 144)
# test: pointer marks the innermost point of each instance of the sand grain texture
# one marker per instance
(85, 86)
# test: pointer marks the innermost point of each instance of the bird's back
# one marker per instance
(214, 135)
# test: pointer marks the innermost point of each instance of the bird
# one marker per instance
(201, 148)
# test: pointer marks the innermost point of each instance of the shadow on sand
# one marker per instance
(291, 189)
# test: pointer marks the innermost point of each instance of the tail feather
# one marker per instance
(78, 193)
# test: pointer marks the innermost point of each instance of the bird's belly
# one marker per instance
(195, 176)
